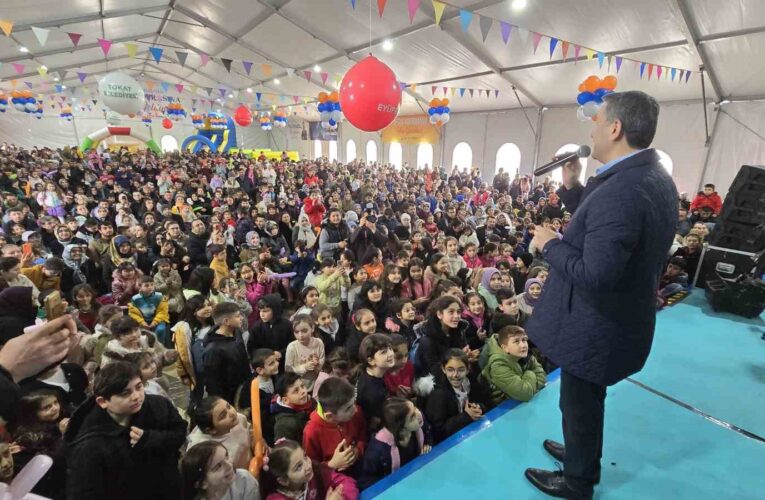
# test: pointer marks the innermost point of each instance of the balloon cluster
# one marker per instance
(591, 93)
(3, 103)
(329, 107)
(197, 120)
(66, 114)
(146, 120)
(280, 119)
(217, 121)
(439, 111)
(175, 111)
(266, 123)
(39, 111)
(22, 100)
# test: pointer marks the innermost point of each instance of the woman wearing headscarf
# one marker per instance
(120, 250)
(303, 231)
(529, 298)
(351, 219)
(79, 269)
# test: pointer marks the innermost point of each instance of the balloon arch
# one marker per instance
(92, 140)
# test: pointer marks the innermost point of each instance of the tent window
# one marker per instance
(557, 174)
(508, 159)
(665, 161)
(169, 143)
(371, 151)
(317, 149)
(395, 154)
(332, 150)
(424, 156)
(350, 150)
(462, 156)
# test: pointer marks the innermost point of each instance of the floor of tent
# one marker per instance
(687, 426)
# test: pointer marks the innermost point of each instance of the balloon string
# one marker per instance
(370, 27)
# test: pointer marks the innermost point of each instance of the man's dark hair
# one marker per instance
(124, 326)
(113, 378)
(638, 113)
(260, 356)
(504, 294)
(334, 393)
(55, 264)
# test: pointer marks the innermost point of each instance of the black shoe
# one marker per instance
(558, 452)
(555, 449)
(554, 484)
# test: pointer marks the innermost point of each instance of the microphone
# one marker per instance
(582, 152)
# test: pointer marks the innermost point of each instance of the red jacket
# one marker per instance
(320, 438)
(314, 209)
(712, 201)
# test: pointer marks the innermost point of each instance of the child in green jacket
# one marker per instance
(510, 371)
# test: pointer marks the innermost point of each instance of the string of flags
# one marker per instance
(555, 44)
(452, 91)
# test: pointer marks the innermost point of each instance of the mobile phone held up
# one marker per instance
(54, 306)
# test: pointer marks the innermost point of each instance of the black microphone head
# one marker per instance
(583, 151)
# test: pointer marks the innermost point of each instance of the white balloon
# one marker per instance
(445, 118)
(590, 109)
(121, 93)
(20, 106)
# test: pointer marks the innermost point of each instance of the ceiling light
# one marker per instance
(277, 81)
(249, 89)
(218, 99)
(55, 78)
(316, 68)
(725, 101)
(387, 45)
(231, 96)
(63, 86)
(23, 49)
(519, 4)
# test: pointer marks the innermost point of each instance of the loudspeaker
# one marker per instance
(737, 236)
(746, 175)
(745, 298)
(741, 222)
(727, 264)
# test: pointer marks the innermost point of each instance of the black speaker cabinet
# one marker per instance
(747, 175)
(745, 298)
(728, 264)
(742, 237)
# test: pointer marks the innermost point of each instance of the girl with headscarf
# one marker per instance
(491, 281)
(120, 250)
(352, 219)
(529, 298)
(79, 269)
(303, 231)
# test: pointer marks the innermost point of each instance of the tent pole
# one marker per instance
(538, 137)
(709, 144)
(704, 105)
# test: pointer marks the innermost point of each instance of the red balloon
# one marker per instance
(370, 96)
(242, 116)
(166, 123)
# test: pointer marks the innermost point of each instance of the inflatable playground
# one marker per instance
(215, 131)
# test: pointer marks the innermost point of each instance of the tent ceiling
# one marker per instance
(297, 34)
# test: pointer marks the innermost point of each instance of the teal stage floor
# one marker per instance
(690, 425)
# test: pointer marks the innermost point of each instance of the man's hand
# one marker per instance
(571, 172)
(542, 236)
(39, 347)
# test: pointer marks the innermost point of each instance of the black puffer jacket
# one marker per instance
(226, 365)
(102, 464)
(276, 334)
(434, 343)
(16, 312)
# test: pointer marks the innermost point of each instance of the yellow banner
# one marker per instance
(412, 129)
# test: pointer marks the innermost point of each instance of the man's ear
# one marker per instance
(617, 130)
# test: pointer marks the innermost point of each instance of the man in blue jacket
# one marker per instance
(596, 316)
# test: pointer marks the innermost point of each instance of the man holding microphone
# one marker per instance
(596, 316)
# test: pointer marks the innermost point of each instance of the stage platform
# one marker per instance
(691, 425)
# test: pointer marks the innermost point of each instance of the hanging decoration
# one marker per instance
(370, 95)
(66, 114)
(330, 111)
(175, 111)
(3, 102)
(166, 123)
(217, 121)
(591, 93)
(439, 111)
(280, 118)
(197, 120)
(146, 120)
(23, 101)
(39, 111)
(265, 122)
(121, 93)
(242, 116)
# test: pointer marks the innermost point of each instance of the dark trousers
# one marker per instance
(582, 404)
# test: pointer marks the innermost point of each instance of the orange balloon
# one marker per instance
(444, 102)
(334, 96)
(592, 83)
(609, 82)
(434, 102)
(323, 96)
(582, 87)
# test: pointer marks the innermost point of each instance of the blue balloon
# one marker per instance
(445, 110)
(332, 122)
(336, 106)
(600, 93)
(432, 111)
(585, 97)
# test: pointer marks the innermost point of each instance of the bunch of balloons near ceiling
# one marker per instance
(22, 100)
(197, 120)
(175, 111)
(66, 114)
(266, 123)
(329, 108)
(3, 102)
(591, 93)
(146, 120)
(439, 111)
(280, 119)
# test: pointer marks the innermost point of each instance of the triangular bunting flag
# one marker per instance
(577, 50)
(324, 77)
(433, 89)
(150, 84)
(75, 38)
(590, 53)
(564, 49)
(401, 85)
(496, 94)
(290, 71)
(536, 38)
(485, 24)
(307, 75)
(462, 91)
(505, 30)
(609, 64)
(179, 87)
(295, 99)
(247, 67)
(659, 70)
(642, 69)
(487, 93)
(222, 92)
(618, 63)
(95, 101)
(19, 68)
(156, 53)
(182, 56)
(446, 89)
(471, 92)
(650, 71)
(553, 44)
(205, 59)
(266, 68)
(41, 34)
(105, 46)
(6, 26)
(412, 6)
(82, 76)
(132, 49)
(381, 6)
(353, 3)
(687, 76)
(438, 10)
(226, 63)
(208, 90)
(29, 85)
(601, 58)
(673, 73)
(465, 18)
(453, 91)
(165, 86)
(193, 102)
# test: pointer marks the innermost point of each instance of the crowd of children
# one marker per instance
(374, 317)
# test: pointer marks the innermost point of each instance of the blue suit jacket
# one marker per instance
(597, 312)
